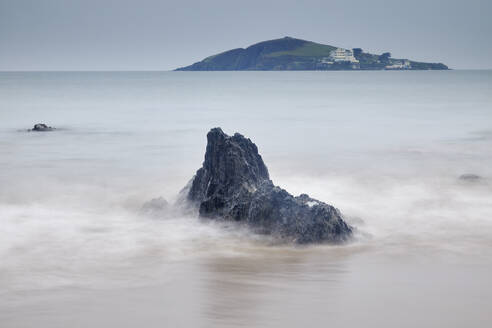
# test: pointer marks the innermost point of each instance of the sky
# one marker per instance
(163, 35)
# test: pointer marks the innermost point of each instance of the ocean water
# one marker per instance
(386, 148)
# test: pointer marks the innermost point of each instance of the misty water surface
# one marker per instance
(386, 148)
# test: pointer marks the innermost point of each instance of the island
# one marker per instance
(291, 54)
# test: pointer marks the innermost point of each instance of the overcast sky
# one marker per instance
(162, 35)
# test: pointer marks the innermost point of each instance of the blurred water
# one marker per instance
(386, 148)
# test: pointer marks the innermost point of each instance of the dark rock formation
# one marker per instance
(41, 127)
(233, 184)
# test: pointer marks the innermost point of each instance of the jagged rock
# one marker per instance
(233, 184)
(41, 127)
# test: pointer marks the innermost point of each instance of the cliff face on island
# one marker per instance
(234, 185)
(296, 54)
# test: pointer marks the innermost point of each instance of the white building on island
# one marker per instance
(343, 55)
(400, 64)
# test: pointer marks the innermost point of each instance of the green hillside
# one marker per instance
(309, 49)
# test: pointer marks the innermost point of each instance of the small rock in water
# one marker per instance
(470, 177)
(233, 184)
(41, 127)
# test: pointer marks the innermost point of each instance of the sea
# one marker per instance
(406, 156)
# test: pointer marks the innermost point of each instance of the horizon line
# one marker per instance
(174, 70)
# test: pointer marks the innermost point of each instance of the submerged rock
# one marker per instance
(233, 184)
(470, 177)
(156, 207)
(41, 127)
